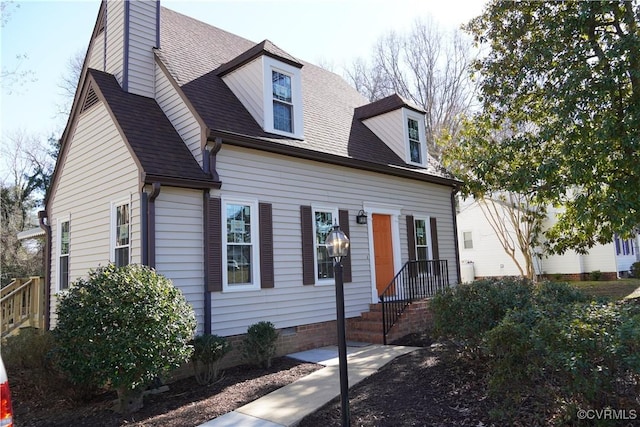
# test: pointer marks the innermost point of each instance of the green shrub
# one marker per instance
(29, 349)
(123, 327)
(466, 312)
(584, 352)
(259, 344)
(208, 351)
(595, 275)
(635, 269)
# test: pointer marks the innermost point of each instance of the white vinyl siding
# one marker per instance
(97, 169)
(182, 119)
(179, 243)
(114, 32)
(142, 40)
(247, 83)
(96, 56)
(487, 254)
(289, 183)
(391, 129)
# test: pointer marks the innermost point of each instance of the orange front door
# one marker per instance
(382, 250)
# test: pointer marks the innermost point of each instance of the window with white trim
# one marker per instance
(282, 99)
(467, 239)
(282, 102)
(240, 248)
(422, 238)
(323, 222)
(121, 233)
(415, 137)
(64, 236)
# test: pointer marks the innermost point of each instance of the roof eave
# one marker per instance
(302, 153)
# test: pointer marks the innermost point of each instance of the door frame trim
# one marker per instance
(394, 212)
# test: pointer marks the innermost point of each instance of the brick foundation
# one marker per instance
(580, 277)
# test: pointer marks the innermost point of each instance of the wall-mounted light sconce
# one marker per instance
(361, 218)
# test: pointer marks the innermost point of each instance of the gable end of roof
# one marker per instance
(384, 105)
(264, 48)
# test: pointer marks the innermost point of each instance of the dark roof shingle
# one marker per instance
(195, 52)
(152, 138)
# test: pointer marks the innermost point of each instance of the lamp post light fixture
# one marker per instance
(338, 247)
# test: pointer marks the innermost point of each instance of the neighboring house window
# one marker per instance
(624, 247)
(422, 238)
(240, 226)
(324, 219)
(282, 102)
(282, 99)
(63, 264)
(415, 147)
(468, 240)
(121, 234)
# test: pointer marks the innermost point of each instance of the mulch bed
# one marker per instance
(429, 387)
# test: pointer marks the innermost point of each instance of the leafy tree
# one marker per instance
(21, 189)
(564, 79)
(427, 66)
(121, 328)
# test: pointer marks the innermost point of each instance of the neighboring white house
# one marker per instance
(479, 245)
(223, 163)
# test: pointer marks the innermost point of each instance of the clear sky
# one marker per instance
(329, 31)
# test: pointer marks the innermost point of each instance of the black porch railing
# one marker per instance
(416, 280)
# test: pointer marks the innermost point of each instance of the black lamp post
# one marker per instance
(338, 247)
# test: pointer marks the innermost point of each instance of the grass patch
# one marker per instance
(614, 289)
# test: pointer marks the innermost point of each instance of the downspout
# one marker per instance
(151, 224)
(205, 231)
(144, 231)
(454, 214)
(43, 219)
(213, 146)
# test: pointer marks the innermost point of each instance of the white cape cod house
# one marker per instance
(223, 163)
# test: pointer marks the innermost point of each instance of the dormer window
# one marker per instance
(268, 82)
(415, 141)
(282, 102)
(415, 147)
(282, 98)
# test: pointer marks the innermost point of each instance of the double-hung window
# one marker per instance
(467, 238)
(415, 139)
(282, 99)
(282, 102)
(121, 234)
(240, 226)
(324, 220)
(415, 146)
(63, 259)
(422, 238)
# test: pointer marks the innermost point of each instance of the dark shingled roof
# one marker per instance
(195, 53)
(264, 48)
(384, 105)
(152, 138)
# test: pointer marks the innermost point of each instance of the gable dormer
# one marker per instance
(268, 82)
(398, 124)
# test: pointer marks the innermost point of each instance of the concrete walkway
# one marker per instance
(290, 404)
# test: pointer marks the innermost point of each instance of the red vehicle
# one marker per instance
(6, 411)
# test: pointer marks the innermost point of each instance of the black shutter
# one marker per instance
(434, 239)
(266, 246)
(343, 218)
(411, 243)
(411, 238)
(308, 246)
(213, 243)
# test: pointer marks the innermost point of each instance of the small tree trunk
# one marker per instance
(129, 401)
